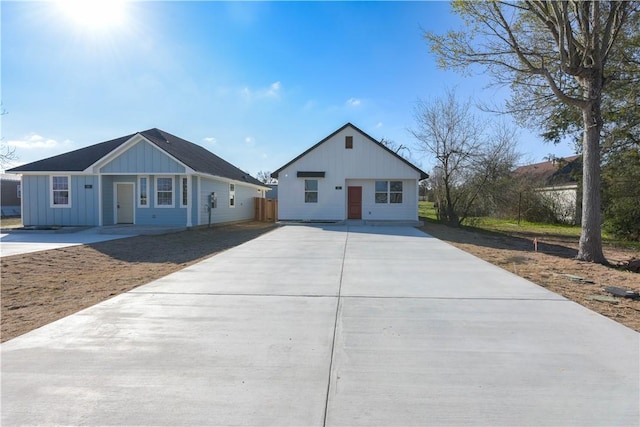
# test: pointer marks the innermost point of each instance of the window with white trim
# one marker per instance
(311, 191)
(19, 191)
(382, 188)
(143, 192)
(232, 195)
(164, 192)
(395, 191)
(185, 192)
(60, 191)
(388, 192)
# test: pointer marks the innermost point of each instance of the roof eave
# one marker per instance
(423, 174)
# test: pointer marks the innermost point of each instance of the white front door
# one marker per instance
(124, 203)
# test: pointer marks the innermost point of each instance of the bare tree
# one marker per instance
(548, 52)
(469, 161)
(399, 149)
(265, 177)
(7, 153)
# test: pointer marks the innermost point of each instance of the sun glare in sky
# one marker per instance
(95, 14)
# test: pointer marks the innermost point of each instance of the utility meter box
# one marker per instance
(213, 201)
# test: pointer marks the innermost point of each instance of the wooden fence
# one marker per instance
(265, 210)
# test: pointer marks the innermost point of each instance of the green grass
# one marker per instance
(525, 228)
(426, 210)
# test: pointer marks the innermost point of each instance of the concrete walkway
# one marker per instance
(18, 242)
(334, 325)
(25, 242)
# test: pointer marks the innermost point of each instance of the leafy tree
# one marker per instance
(550, 53)
(471, 165)
(621, 194)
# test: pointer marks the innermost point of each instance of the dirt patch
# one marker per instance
(41, 287)
(554, 267)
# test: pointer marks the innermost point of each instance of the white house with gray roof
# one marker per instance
(348, 175)
(146, 178)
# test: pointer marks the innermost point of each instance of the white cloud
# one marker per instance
(250, 141)
(272, 91)
(37, 142)
(354, 102)
(378, 125)
(210, 140)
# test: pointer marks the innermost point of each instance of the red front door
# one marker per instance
(354, 203)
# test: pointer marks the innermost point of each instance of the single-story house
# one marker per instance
(10, 195)
(556, 185)
(146, 178)
(348, 175)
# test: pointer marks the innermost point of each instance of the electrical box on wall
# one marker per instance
(213, 200)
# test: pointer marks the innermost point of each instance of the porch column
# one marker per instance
(100, 200)
(189, 199)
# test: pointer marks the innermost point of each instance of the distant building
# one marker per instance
(10, 195)
(556, 182)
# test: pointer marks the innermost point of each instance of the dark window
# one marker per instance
(381, 191)
(348, 142)
(395, 195)
(311, 191)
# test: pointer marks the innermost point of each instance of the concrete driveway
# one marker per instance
(24, 242)
(312, 326)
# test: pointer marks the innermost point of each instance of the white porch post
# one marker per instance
(189, 199)
(100, 200)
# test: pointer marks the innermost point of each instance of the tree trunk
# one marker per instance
(590, 248)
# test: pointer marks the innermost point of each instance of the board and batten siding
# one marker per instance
(365, 163)
(405, 211)
(37, 210)
(243, 210)
(143, 158)
(151, 215)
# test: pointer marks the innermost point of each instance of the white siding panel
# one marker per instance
(362, 165)
(242, 211)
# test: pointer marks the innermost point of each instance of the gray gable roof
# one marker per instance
(423, 174)
(194, 156)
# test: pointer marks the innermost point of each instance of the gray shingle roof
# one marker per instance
(194, 156)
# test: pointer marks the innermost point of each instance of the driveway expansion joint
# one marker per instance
(335, 330)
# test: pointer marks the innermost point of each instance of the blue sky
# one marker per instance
(255, 83)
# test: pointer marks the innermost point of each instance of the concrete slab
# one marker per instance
(481, 362)
(16, 243)
(168, 359)
(238, 275)
(328, 325)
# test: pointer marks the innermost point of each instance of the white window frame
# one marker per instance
(146, 188)
(51, 191)
(389, 193)
(385, 192)
(316, 191)
(232, 195)
(173, 192)
(184, 192)
(392, 192)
